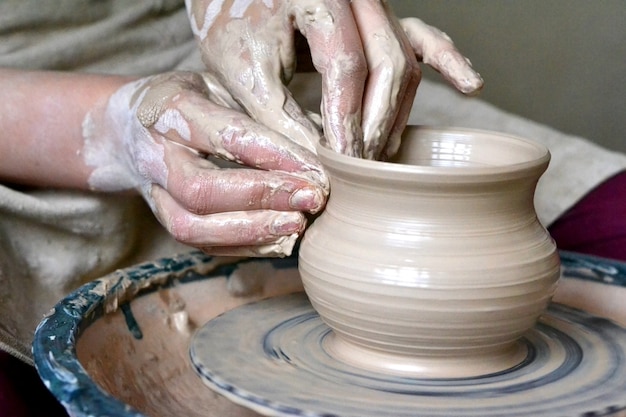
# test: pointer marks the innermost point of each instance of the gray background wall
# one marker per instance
(558, 62)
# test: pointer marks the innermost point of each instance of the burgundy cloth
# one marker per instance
(22, 393)
(596, 225)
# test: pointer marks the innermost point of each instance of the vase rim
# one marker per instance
(536, 162)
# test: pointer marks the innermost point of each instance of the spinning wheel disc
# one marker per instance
(270, 356)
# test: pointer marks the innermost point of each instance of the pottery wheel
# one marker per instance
(269, 356)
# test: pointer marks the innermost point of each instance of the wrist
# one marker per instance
(109, 131)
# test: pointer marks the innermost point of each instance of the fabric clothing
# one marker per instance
(52, 241)
(130, 37)
(595, 225)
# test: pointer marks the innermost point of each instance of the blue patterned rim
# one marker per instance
(54, 346)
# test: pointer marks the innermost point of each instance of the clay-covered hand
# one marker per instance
(367, 58)
(157, 135)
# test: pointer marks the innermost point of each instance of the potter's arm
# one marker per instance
(41, 116)
(368, 61)
(153, 135)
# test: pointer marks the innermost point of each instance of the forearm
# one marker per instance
(41, 118)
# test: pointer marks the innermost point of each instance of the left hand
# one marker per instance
(368, 61)
(156, 135)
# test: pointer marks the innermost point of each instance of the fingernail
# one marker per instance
(317, 176)
(307, 199)
(286, 223)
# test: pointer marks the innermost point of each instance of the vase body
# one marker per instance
(433, 264)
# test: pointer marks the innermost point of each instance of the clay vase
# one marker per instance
(434, 264)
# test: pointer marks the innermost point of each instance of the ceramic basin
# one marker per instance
(119, 346)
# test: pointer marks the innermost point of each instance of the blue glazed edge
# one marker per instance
(593, 268)
(55, 338)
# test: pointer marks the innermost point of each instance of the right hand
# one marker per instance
(368, 61)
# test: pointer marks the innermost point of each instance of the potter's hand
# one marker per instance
(155, 134)
(368, 61)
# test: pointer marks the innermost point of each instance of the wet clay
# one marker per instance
(432, 265)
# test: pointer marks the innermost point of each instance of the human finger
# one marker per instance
(436, 49)
(250, 50)
(394, 74)
(337, 54)
(264, 94)
(202, 188)
(281, 112)
(182, 115)
(237, 228)
(235, 137)
(392, 144)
